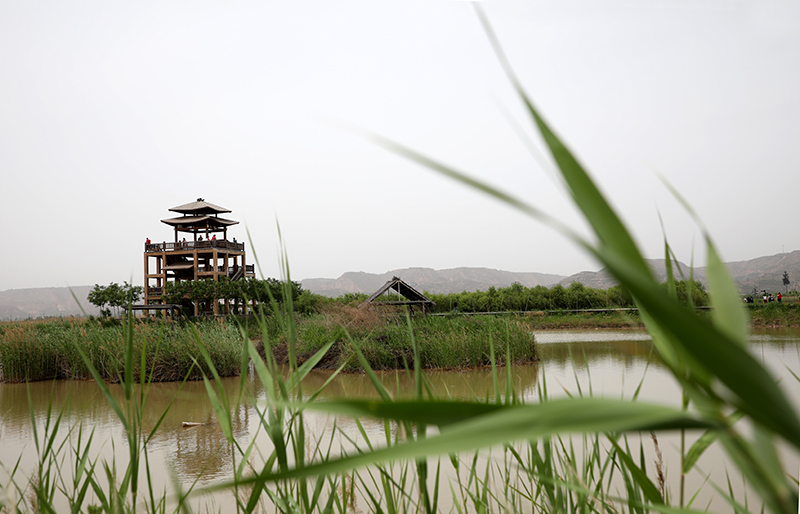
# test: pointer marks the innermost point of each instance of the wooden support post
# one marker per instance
(215, 278)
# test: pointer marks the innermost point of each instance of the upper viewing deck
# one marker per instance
(193, 245)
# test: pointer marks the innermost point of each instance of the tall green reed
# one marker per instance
(710, 361)
(52, 350)
(388, 342)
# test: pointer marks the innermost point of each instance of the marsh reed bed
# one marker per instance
(47, 350)
(31, 351)
(386, 340)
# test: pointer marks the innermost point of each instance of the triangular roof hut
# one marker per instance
(411, 295)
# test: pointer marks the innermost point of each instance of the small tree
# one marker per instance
(114, 295)
(620, 296)
(175, 292)
(99, 297)
(786, 281)
(698, 292)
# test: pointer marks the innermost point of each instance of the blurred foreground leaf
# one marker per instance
(469, 426)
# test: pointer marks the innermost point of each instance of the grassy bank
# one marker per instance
(582, 320)
(52, 349)
(775, 314)
(451, 342)
(46, 350)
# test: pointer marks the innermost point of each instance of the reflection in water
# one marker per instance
(605, 363)
(580, 354)
(455, 385)
(192, 452)
(589, 336)
(199, 450)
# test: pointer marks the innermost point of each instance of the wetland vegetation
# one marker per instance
(500, 453)
(48, 349)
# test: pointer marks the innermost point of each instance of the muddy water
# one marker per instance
(599, 362)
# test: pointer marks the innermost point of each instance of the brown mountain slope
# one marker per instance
(453, 280)
(602, 280)
(759, 273)
(45, 302)
(767, 272)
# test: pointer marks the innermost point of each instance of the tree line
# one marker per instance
(515, 297)
(252, 291)
(576, 296)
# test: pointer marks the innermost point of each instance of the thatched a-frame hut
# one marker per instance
(411, 295)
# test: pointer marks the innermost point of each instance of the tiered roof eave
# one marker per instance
(200, 207)
(199, 223)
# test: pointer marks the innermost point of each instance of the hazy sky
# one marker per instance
(113, 112)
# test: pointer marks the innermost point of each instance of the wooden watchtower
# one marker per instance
(206, 255)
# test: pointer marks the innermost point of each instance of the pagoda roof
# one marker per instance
(195, 223)
(200, 207)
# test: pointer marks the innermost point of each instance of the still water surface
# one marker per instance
(598, 362)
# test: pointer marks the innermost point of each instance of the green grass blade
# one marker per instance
(637, 473)
(440, 413)
(700, 446)
(506, 424)
(128, 332)
(376, 383)
(308, 365)
(220, 410)
(587, 197)
(728, 313)
(104, 388)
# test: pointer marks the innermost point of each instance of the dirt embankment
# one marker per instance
(280, 352)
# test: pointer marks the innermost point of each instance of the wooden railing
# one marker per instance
(191, 245)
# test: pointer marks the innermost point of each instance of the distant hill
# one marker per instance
(602, 280)
(760, 273)
(444, 281)
(45, 302)
(767, 272)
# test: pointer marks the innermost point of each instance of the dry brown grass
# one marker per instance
(17, 333)
(39, 321)
(352, 317)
